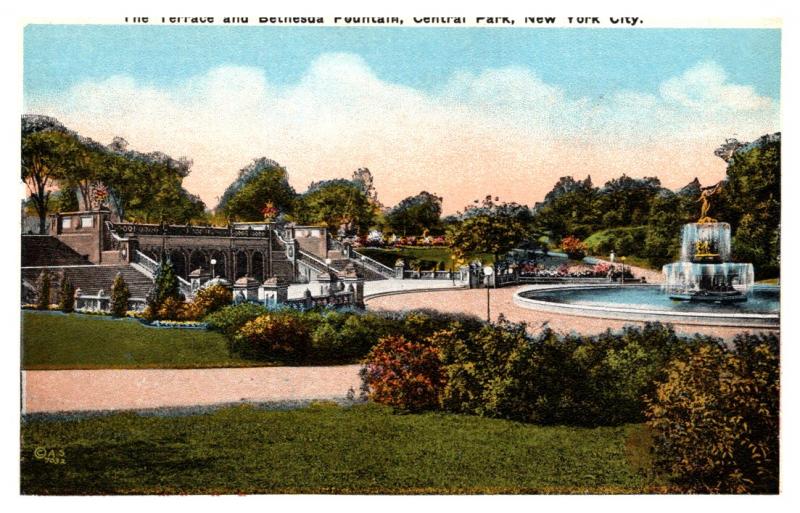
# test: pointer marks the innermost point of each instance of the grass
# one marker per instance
(362, 449)
(74, 341)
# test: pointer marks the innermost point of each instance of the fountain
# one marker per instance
(705, 272)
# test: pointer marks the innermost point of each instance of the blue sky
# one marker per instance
(584, 62)
(460, 112)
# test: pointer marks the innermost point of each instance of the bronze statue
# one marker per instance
(705, 195)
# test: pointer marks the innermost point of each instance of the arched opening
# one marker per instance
(241, 264)
(178, 260)
(257, 266)
(219, 265)
(198, 261)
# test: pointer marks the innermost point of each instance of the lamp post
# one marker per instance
(623, 270)
(453, 268)
(488, 271)
(213, 268)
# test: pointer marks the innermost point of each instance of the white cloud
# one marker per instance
(500, 130)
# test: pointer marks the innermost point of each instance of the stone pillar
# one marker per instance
(198, 277)
(273, 292)
(326, 281)
(399, 267)
(354, 282)
(245, 289)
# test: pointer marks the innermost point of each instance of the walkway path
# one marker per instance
(474, 302)
(95, 390)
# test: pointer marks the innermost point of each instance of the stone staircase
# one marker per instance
(368, 274)
(90, 279)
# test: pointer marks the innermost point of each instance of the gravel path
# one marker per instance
(474, 302)
(96, 390)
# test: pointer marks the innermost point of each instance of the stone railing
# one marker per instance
(433, 275)
(102, 303)
(187, 230)
(151, 267)
(336, 300)
(373, 265)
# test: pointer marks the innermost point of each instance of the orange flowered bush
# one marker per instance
(403, 374)
(274, 334)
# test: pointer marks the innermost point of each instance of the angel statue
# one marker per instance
(705, 196)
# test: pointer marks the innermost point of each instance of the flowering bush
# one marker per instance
(208, 300)
(274, 334)
(602, 268)
(573, 247)
(403, 374)
(174, 309)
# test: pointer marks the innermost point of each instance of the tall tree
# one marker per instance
(261, 181)
(46, 156)
(490, 227)
(340, 204)
(415, 214)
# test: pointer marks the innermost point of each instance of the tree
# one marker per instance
(338, 204)
(65, 200)
(45, 157)
(625, 201)
(568, 209)
(752, 195)
(119, 296)
(415, 214)
(490, 227)
(260, 182)
(66, 301)
(43, 291)
(165, 286)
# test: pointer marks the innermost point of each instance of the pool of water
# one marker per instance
(760, 300)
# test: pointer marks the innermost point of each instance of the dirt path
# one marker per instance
(93, 390)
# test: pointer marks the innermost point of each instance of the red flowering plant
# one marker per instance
(601, 268)
(573, 247)
(403, 374)
(99, 195)
(270, 211)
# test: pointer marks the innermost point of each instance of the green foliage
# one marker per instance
(119, 296)
(623, 241)
(336, 204)
(208, 300)
(230, 318)
(43, 290)
(715, 417)
(66, 301)
(275, 334)
(260, 182)
(494, 228)
(65, 200)
(165, 285)
(415, 214)
(403, 374)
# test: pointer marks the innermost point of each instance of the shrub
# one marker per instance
(573, 247)
(165, 285)
(43, 291)
(119, 296)
(67, 296)
(208, 300)
(274, 334)
(230, 318)
(174, 310)
(403, 374)
(715, 417)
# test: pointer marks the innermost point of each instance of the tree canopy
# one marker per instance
(338, 204)
(490, 227)
(258, 183)
(414, 214)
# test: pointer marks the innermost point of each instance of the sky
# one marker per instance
(461, 112)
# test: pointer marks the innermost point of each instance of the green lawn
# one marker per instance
(73, 341)
(357, 450)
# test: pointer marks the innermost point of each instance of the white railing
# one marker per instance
(323, 266)
(151, 266)
(374, 265)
